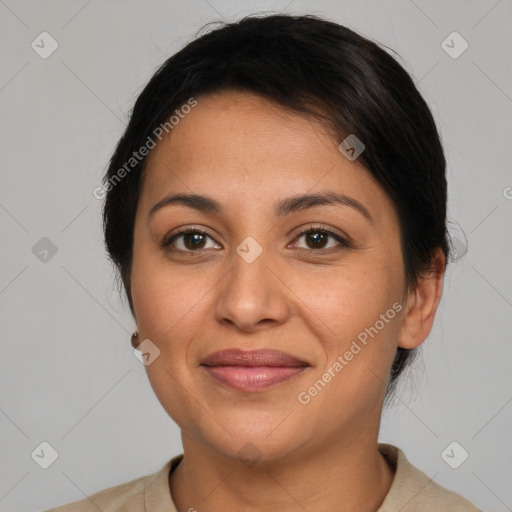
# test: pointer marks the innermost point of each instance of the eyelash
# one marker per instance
(167, 243)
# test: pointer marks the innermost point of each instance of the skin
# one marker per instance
(247, 154)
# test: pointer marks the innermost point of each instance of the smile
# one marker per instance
(252, 378)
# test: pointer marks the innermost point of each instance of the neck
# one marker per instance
(348, 475)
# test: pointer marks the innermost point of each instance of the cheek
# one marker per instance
(170, 312)
(359, 307)
(163, 294)
(349, 297)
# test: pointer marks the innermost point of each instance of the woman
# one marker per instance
(276, 209)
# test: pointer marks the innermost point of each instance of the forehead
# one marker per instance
(243, 148)
(240, 130)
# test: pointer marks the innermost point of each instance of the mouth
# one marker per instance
(253, 370)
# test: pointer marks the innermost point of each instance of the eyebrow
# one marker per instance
(282, 208)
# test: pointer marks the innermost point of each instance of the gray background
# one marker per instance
(67, 372)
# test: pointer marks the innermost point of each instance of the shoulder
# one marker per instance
(127, 497)
(110, 499)
(413, 491)
(434, 495)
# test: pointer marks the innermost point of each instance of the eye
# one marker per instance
(317, 237)
(188, 240)
(191, 240)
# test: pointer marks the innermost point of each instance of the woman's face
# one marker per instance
(252, 282)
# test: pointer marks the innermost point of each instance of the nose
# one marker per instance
(252, 297)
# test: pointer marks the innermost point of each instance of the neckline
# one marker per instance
(390, 453)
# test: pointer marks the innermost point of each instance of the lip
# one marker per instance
(263, 357)
(252, 370)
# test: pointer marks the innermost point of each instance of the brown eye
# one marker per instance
(191, 240)
(317, 239)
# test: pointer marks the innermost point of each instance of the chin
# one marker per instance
(251, 438)
(251, 451)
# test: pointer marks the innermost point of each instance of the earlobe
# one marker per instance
(422, 305)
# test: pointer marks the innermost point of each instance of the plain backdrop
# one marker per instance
(68, 376)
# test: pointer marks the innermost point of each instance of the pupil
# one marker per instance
(196, 239)
(317, 237)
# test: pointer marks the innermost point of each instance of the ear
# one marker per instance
(422, 305)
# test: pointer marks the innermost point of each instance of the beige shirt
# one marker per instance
(411, 491)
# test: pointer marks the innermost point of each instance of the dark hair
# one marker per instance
(316, 68)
